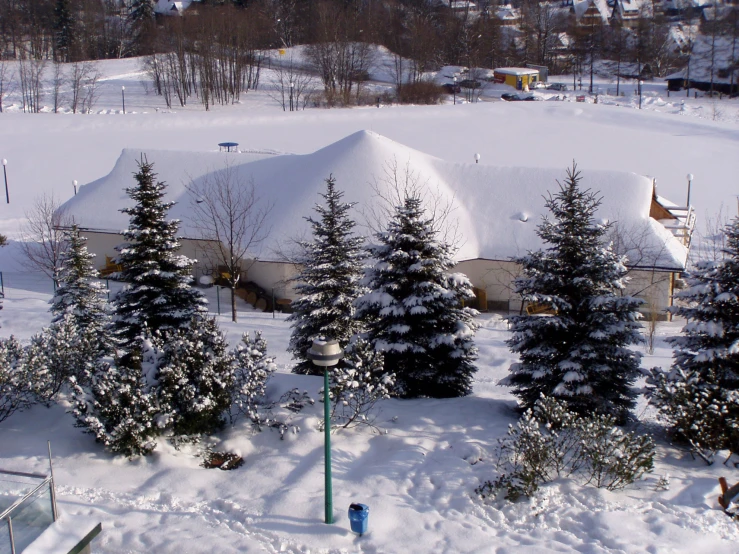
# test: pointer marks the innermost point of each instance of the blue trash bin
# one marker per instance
(359, 518)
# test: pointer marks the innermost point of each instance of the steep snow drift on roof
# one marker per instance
(495, 209)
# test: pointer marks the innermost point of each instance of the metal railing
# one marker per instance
(27, 508)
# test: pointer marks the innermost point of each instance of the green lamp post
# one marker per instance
(326, 353)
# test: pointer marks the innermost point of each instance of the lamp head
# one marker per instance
(325, 353)
(123, 87)
(5, 162)
(690, 175)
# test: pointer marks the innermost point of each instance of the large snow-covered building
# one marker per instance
(492, 214)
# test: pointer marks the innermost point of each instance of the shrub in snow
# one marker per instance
(551, 441)
(157, 295)
(357, 385)
(195, 378)
(252, 369)
(118, 407)
(329, 281)
(698, 396)
(15, 384)
(414, 309)
(80, 295)
(578, 354)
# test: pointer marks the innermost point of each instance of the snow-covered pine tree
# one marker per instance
(118, 407)
(329, 282)
(414, 308)
(142, 24)
(157, 294)
(252, 370)
(80, 294)
(15, 392)
(699, 396)
(580, 353)
(195, 379)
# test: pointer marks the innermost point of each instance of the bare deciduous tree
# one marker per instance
(43, 235)
(6, 81)
(231, 220)
(291, 88)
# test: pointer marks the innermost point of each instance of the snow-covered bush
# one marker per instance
(118, 407)
(252, 370)
(698, 397)
(15, 391)
(357, 384)
(580, 352)
(195, 379)
(551, 441)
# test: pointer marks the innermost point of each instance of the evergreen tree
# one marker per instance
(15, 393)
(141, 21)
(64, 30)
(414, 308)
(699, 396)
(80, 294)
(118, 407)
(579, 354)
(157, 295)
(329, 282)
(195, 379)
(252, 370)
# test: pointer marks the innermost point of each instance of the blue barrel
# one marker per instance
(359, 518)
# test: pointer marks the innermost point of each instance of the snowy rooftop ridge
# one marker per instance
(497, 209)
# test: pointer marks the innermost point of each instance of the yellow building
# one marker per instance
(519, 78)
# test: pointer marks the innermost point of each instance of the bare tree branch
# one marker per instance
(43, 239)
(229, 216)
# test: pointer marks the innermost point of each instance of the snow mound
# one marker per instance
(493, 211)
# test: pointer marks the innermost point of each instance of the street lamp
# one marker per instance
(690, 182)
(123, 98)
(5, 174)
(74, 184)
(477, 158)
(292, 87)
(326, 353)
(640, 85)
(454, 90)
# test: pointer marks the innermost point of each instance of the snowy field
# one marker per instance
(417, 474)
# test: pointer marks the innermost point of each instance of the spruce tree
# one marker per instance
(64, 30)
(253, 368)
(699, 396)
(329, 282)
(580, 353)
(157, 295)
(415, 310)
(141, 21)
(15, 380)
(80, 295)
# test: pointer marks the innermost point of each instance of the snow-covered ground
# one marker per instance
(418, 474)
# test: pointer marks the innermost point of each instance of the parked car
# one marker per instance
(539, 84)
(516, 97)
(451, 88)
(470, 83)
(556, 86)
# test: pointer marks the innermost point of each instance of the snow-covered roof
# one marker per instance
(497, 208)
(171, 7)
(581, 7)
(516, 71)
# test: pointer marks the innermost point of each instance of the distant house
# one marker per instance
(172, 7)
(627, 12)
(496, 211)
(521, 78)
(591, 12)
(508, 15)
(711, 67)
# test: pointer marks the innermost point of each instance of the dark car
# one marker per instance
(557, 86)
(470, 83)
(451, 88)
(515, 97)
